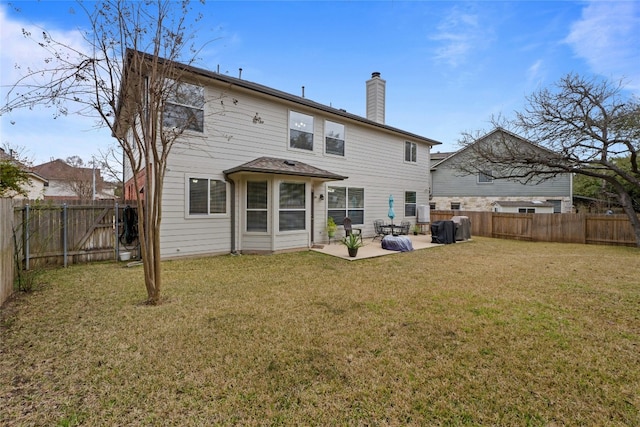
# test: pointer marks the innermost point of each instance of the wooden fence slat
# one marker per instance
(7, 248)
(89, 228)
(561, 228)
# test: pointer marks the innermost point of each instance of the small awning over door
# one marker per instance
(284, 167)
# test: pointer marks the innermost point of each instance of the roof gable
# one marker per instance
(482, 139)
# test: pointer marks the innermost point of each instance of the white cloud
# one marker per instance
(461, 34)
(606, 36)
(535, 74)
(35, 129)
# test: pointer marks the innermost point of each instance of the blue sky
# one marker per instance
(449, 66)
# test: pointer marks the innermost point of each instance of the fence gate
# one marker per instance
(63, 234)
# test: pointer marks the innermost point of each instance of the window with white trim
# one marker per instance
(409, 203)
(346, 202)
(455, 206)
(526, 210)
(292, 213)
(333, 138)
(300, 131)
(257, 204)
(485, 177)
(410, 152)
(207, 196)
(184, 107)
(557, 205)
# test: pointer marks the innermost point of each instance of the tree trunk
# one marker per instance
(627, 205)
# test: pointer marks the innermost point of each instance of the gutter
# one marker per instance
(232, 212)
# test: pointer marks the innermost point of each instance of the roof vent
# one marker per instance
(289, 163)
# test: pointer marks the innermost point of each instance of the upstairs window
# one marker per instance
(300, 131)
(334, 138)
(409, 203)
(485, 177)
(207, 196)
(410, 152)
(184, 108)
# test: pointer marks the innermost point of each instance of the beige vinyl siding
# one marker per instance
(374, 160)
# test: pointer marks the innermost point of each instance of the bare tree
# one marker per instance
(583, 126)
(78, 179)
(111, 163)
(14, 175)
(127, 78)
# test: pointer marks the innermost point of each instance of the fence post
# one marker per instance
(64, 234)
(26, 237)
(116, 242)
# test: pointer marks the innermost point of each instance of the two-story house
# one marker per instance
(260, 170)
(455, 189)
(66, 182)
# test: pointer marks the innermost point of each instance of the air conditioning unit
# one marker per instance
(424, 214)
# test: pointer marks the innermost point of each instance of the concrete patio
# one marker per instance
(373, 248)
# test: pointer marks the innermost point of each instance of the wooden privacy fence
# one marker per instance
(561, 228)
(7, 263)
(68, 233)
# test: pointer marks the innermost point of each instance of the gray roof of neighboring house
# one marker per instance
(441, 156)
(284, 167)
(523, 204)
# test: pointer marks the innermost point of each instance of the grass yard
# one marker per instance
(489, 332)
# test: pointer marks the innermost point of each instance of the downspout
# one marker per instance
(232, 213)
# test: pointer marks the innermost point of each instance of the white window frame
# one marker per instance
(303, 123)
(348, 204)
(179, 104)
(485, 177)
(282, 209)
(410, 152)
(329, 134)
(208, 180)
(414, 203)
(256, 209)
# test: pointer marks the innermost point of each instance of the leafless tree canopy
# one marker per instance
(582, 126)
(126, 76)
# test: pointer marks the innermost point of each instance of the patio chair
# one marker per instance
(405, 226)
(348, 229)
(378, 226)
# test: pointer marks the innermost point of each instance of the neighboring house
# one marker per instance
(71, 183)
(457, 190)
(264, 175)
(535, 206)
(37, 183)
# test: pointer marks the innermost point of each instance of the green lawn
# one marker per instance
(489, 332)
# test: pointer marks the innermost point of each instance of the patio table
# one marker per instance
(391, 229)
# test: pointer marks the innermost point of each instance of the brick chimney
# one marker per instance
(375, 98)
